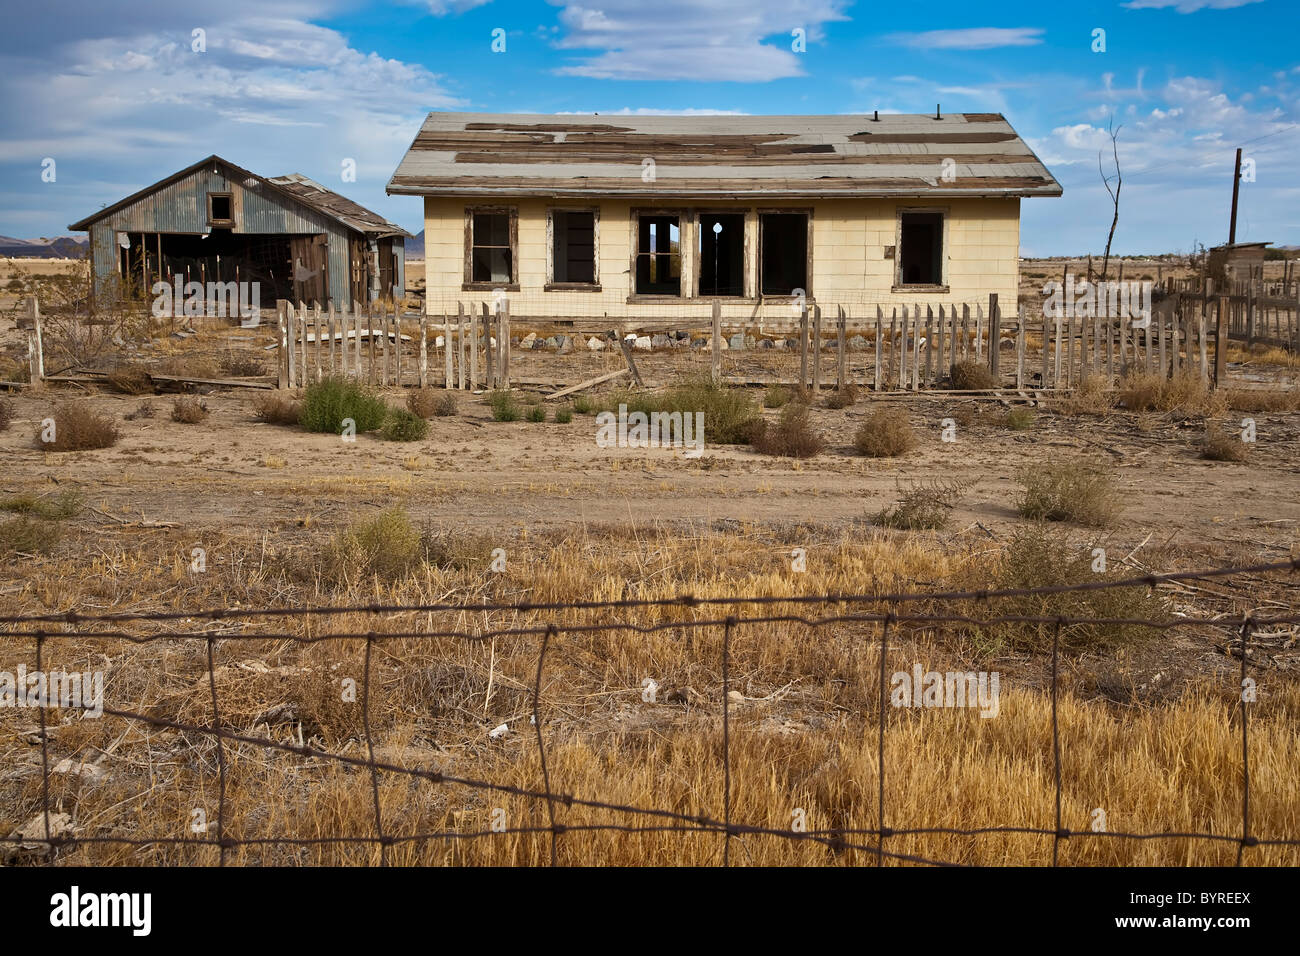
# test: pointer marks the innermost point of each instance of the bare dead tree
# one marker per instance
(1113, 131)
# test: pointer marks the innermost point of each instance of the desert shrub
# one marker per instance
(1039, 557)
(1185, 392)
(403, 425)
(1077, 491)
(130, 380)
(563, 416)
(886, 433)
(143, 410)
(1218, 445)
(535, 413)
(503, 405)
(776, 396)
(1261, 399)
(730, 414)
(277, 408)
(924, 505)
(76, 427)
(842, 397)
(1092, 396)
(967, 376)
(1019, 419)
(422, 401)
(189, 410)
(454, 550)
(65, 504)
(6, 414)
(28, 535)
(791, 436)
(327, 403)
(964, 414)
(583, 405)
(240, 365)
(387, 546)
(446, 406)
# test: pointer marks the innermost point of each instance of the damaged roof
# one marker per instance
(293, 186)
(895, 155)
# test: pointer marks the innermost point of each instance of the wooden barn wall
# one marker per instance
(182, 207)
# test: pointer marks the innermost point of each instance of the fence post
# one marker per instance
(505, 342)
(840, 333)
(893, 348)
(291, 342)
(1056, 372)
(424, 350)
(35, 345)
(1221, 343)
(489, 355)
(316, 330)
(282, 359)
(446, 344)
(1046, 356)
(929, 346)
(717, 341)
(1020, 349)
(880, 336)
(938, 369)
(902, 350)
(397, 346)
(816, 349)
(473, 349)
(995, 334)
(916, 347)
(333, 322)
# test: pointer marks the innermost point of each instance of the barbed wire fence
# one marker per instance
(873, 841)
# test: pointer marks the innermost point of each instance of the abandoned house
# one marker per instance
(214, 222)
(579, 215)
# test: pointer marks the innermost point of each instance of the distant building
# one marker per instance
(1237, 261)
(588, 215)
(216, 222)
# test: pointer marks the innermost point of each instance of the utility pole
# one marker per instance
(1236, 186)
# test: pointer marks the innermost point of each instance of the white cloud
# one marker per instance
(1187, 6)
(975, 38)
(729, 40)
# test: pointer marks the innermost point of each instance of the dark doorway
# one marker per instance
(783, 239)
(921, 252)
(722, 254)
(573, 234)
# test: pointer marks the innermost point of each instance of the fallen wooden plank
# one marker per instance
(587, 384)
(224, 382)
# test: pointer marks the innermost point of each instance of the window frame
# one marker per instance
(553, 286)
(806, 211)
(944, 213)
(213, 220)
(469, 285)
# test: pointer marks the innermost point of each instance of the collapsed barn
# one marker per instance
(215, 223)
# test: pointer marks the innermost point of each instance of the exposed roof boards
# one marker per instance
(899, 155)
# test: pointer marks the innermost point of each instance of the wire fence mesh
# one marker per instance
(886, 611)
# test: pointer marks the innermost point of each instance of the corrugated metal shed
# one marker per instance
(721, 156)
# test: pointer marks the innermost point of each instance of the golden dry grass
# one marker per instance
(803, 730)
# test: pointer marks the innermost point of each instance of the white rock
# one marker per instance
(595, 344)
(641, 342)
(496, 733)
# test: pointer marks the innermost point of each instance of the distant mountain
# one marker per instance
(60, 247)
(415, 247)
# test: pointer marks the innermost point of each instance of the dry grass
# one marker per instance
(886, 433)
(130, 380)
(924, 505)
(1183, 393)
(431, 402)
(842, 397)
(1080, 491)
(277, 408)
(1261, 399)
(803, 726)
(791, 436)
(189, 410)
(1092, 396)
(75, 426)
(969, 376)
(1218, 445)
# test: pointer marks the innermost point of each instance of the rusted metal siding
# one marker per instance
(182, 207)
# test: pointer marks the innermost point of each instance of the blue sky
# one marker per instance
(116, 95)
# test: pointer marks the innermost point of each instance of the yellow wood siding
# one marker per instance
(849, 238)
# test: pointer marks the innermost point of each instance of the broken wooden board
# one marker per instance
(587, 384)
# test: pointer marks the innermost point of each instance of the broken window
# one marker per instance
(722, 254)
(219, 207)
(491, 251)
(920, 260)
(573, 246)
(658, 256)
(783, 241)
